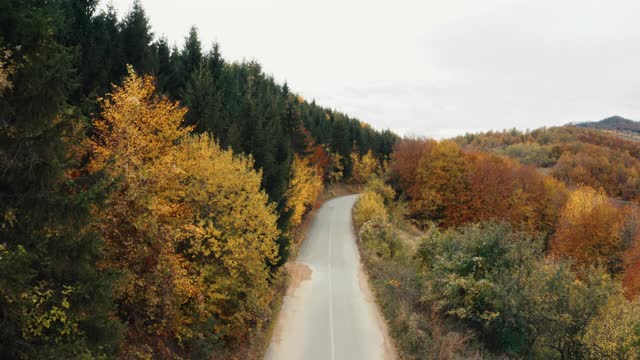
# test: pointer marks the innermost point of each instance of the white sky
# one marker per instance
(434, 67)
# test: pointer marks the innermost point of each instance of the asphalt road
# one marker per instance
(329, 312)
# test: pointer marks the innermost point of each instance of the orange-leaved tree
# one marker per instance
(406, 156)
(631, 277)
(134, 147)
(441, 184)
(589, 229)
(631, 255)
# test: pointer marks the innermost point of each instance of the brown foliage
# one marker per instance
(631, 277)
(455, 187)
(579, 156)
(405, 158)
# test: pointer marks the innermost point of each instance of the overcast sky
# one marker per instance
(433, 67)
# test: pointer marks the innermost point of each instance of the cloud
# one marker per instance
(433, 67)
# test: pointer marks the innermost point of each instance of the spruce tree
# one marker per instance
(54, 302)
(136, 38)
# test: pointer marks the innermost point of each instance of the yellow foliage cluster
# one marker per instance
(305, 186)
(377, 185)
(371, 217)
(613, 333)
(363, 167)
(187, 224)
(47, 316)
(336, 168)
(7, 68)
(369, 207)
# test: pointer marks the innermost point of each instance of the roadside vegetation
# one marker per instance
(474, 255)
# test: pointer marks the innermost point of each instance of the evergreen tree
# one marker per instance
(136, 38)
(191, 54)
(54, 302)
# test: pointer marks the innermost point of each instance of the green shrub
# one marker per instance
(615, 332)
(380, 238)
(496, 280)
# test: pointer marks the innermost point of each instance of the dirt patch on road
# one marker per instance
(299, 272)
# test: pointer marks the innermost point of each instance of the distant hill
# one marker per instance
(615, 123)
(603, 154)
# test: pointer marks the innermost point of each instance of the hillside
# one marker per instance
(510, 263)
(573, 154)
(614, 123)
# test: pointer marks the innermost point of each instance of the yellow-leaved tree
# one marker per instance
(363, 167)
(230, 238)
(336, 168)
(186, 225)
(135, 148)
(369, 207)
(305, 186)
(613, 332)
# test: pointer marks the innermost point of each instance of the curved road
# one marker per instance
(329, 312)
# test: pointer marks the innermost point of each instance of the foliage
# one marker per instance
(615, 332)
(407, 153)
(335, 171)
(369, 207)
(363, 167)
(304, 187)
(576, 155)
(7, 69)
(377, 185)
(496, 279)
(601, 167)
(379, 237)
(589, 229)
(418, 332)
(631, 263)
(177, 226)
(529, 153)
(453, 187)
(229, 241)
(441, 183)
(54, 302)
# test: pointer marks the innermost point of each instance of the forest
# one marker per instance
(148, 192)
(479, 253)
(575, 155)
(151, 193)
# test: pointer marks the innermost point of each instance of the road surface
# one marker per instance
(329, 312)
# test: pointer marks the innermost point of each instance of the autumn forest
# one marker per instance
(151, 194)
